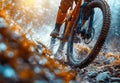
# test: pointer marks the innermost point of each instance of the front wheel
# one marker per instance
(81, 55)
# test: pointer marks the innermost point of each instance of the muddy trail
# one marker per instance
(25, 61)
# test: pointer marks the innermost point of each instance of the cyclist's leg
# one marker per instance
(64, 6)
(75, 1)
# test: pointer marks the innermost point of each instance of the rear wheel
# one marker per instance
(80, 54)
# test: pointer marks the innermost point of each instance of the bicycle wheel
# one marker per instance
(81, 55)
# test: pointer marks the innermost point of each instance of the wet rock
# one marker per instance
(115, 79)
(103, 77)
(92, 74)
(109, 60)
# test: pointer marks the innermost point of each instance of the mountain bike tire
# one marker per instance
(104, 7)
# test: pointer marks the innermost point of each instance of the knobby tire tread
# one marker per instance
(102, 4)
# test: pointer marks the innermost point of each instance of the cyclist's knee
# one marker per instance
(64, 5)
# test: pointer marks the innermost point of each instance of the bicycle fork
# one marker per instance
(80, 21)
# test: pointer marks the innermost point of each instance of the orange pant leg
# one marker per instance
(64, 6)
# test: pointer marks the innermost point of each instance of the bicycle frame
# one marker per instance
(76, 14)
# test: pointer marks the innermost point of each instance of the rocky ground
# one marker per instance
(24, 61)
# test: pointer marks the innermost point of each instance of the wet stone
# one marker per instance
(115, 79)
(92, 74)
(109, 60)
(103, 77)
